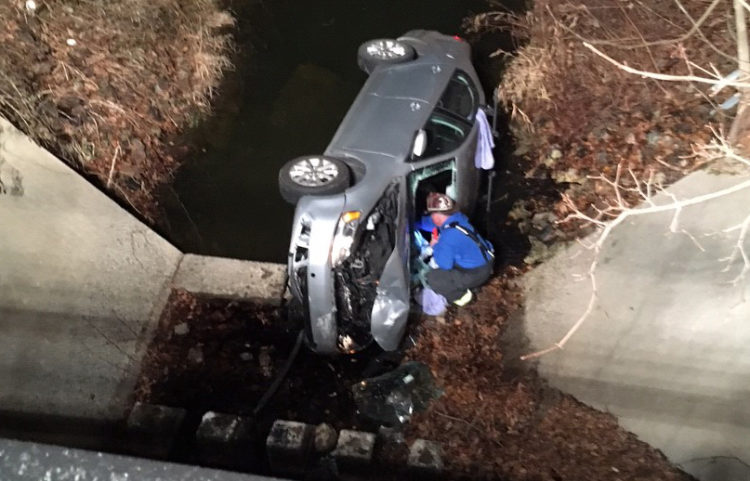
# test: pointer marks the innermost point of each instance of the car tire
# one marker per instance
(383, 51)
(313, 175)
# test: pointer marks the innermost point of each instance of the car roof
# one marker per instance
(393, 104)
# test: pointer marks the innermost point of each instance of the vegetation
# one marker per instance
(105, 84)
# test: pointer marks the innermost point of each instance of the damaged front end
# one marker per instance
(357, 277)
(347, 273)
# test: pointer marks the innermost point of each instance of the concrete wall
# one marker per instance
(21, 461)
(81, 284)
(666, 348)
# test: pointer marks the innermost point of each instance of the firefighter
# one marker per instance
(462, 258)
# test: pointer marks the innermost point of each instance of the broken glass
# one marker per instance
(392, 398)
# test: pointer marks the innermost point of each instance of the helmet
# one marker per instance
(437, 202)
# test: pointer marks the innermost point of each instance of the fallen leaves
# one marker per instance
(122, 63)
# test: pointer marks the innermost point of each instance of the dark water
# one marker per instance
(295, 77)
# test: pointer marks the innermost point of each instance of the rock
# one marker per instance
(288, 447)
(425, 457)
(548, 234)
(195, 355)
(153, 427)
(264, 361)
(225, 440)
(354, 450)
(540, 251)
(652, 138)
(246, 356)
(555, 154)
(519, 211)
(521, 150)
(543, 219)
(630, 139)
(68, 103)
(325, 438)
(570, 176)
(602, 158)
(181, 329)
(540, 172)
(137, 151)
(391, 435)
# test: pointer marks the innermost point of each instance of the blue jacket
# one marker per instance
(454, 248)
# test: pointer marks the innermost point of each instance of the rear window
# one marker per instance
(460, 97)
(444, 134)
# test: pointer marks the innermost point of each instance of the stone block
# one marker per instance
(325, 438)
(288, 445)
(425, 459)
(153, 427)
(354, 450)
(225, 440)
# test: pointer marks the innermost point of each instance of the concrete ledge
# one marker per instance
(221, 277)
(24, 461)
(154, 426)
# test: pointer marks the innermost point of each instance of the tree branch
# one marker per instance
(661, 76)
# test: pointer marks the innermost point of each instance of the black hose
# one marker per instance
(282, 375)
(282, 301)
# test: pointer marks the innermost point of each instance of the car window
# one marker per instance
(440, 177)
(460, 97)
(444, 134)
(453, 117)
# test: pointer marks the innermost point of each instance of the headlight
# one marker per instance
(344, 237)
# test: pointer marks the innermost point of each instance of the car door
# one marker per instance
(451, 134)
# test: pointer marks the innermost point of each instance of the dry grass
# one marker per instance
(563, 97)
(90, 78)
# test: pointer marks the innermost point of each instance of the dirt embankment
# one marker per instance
(105, 85)
(575, 117)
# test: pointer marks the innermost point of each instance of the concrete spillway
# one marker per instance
(82, 285)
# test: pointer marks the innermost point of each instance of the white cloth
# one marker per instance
(483, 158)
(433, 304)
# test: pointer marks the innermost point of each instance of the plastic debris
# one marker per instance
(392, 398)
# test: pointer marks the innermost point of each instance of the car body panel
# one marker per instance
(322, 219)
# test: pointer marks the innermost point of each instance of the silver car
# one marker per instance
(410, 131)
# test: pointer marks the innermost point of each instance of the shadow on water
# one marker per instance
(295, 76)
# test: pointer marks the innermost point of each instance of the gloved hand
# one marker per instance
(425, 252)
(433, 264)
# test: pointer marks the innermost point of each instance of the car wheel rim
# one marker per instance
(386, 49)
(313, 172)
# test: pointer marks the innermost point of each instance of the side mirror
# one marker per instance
(420, 143)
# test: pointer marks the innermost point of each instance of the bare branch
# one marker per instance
(676, 206)
(112, 165)
(739, 251)
(620, 44)
(661, 76)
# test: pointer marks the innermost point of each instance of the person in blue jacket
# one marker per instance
(464, 259)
